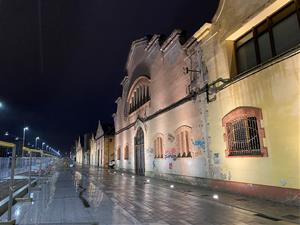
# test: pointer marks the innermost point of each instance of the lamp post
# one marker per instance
(24, 131)
(43, 145)
(36, 141)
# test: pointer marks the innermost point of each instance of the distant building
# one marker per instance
(87, 148)
(79, 151)
(93, 152)
(105, 145)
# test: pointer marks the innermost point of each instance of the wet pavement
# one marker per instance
(94, 196)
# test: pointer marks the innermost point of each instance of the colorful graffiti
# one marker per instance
(200, 144)
(170, 166)
(171, 154)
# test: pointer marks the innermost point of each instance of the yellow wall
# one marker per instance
(108, 150)
(276, 90)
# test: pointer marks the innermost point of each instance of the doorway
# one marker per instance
(139, 152)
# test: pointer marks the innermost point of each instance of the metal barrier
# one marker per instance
(22, 166)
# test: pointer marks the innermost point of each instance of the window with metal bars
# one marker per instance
(140, 96)
(243, 132)
(243, 137)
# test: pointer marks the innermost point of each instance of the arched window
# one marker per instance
(139, 94)
(158, 147)
(243, 132)
(183, 141)
(126, 153)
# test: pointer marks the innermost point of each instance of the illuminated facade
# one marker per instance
(93, 152)
(220, 109)
(79, 151)
(104, 145)
(251, 55)
(160, 122)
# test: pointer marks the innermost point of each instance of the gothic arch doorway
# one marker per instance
(139, 152)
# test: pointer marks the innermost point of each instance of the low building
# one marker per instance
(93, 152)
(79, 151)
(104, 144)
(86, 149)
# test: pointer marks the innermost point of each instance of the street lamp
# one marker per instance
(24, 131)
(43, 145)
(6, 133)
(1, 105)
(36, 141)
(47, 147)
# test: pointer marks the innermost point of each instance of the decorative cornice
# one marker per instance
(118, 99)
(202, 32)
(153, 40)
(171, 39)
(124, 81)
(135, 44)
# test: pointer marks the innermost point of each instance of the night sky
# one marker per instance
(85, 48)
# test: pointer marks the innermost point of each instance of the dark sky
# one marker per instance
(85, 48)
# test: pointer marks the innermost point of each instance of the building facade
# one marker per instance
(220, 109)
(93, 152)
(251, 55)
(160, 122)
(104, 145)
(79, 151)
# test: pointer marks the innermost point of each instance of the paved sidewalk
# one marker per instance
(272, 210)
(95, 196)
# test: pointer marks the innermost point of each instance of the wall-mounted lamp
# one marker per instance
(186, 70)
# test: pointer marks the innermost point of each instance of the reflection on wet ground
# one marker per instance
(95, 196)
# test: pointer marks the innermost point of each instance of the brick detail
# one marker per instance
(241, 113)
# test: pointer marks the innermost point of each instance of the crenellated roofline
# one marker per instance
(175, 35)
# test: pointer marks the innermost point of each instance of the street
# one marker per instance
(95, 196)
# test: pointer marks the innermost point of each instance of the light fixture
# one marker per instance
(215, 196)
(172, 186)
(148, 180)
(132, 176)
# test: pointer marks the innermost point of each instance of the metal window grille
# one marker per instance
(243, 137)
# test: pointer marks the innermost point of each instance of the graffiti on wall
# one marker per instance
(200, 144)
(170, 166)
(171, 154)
